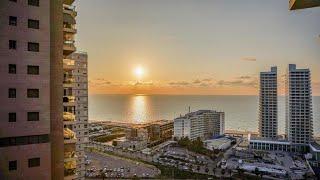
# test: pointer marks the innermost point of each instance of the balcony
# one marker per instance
(69, 100)
(70, 156)
(68, 47)
(68, 82)
(70, 169)
(68, 64)
(69, 9)
(68, 2)
(69, 118)
(69, 28)
(303, 4)
(69, 136)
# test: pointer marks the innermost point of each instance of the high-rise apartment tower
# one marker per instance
(268, 104)
(299, 125)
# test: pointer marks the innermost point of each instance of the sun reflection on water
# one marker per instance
(139, 106)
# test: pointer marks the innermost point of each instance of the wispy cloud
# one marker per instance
(143, 83)
(245, 77)
(179, 83)
(197, 81)
(251, 83)
(99, 82)
(250, 59)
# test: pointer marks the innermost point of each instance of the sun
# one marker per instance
(139, 72)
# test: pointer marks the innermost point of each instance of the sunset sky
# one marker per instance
(194, 46)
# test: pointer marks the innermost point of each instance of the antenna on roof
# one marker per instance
(189, 109)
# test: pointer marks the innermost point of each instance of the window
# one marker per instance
(33, 93)
(34, 24)
(33, 2)
(12, 93)
(34, 162)
(12, 69)
(12, 21)
(12, 44)
(33, 46)
(12, 165)
(12, 117)
(24, 140)
(33, 70)
(33, 116)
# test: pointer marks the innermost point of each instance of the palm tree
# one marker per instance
(256, 171)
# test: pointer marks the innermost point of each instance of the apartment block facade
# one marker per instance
(268, 104)
(44, 91)
(80, 92)
(30, 89)
(201, 124)
(299, 123)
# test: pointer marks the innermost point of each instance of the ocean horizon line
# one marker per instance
(183, 95)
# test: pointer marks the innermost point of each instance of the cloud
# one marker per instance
(251, 59)
(99, 82)
(143, 84)
(252, 83)
(244, 77)
(197, 81)
(179, 83)
(207, 79)
(205, 84)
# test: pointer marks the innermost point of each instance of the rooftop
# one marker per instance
(197, 113)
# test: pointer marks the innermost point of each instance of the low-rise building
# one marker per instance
(160, 130)
(202, 124)
(219, 144)
(315, 152)
(137, 134)
(269, 144)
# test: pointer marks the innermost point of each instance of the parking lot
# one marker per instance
(115, 167)
(185, 160)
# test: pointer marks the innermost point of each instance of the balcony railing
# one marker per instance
(71, 154)
(68, 134)
(69, 28)
(68, 64)
(67, 116)
(69, 80)
(69, 168)
(69, 99)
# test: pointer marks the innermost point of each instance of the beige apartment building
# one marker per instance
(30, 89)
(44, 104)
(77, 63)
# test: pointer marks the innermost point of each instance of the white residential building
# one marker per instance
(268, 104)
(200, 124)
(299, 125)
(80, 91)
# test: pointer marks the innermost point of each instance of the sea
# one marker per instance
(241, 112)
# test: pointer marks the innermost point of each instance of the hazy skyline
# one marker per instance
(194, 47)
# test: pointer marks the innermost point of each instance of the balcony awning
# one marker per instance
(303, 4)
(67, 18)
(69, 2)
